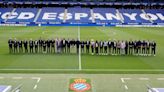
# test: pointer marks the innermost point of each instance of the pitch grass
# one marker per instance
(90, 64)
(99, 82)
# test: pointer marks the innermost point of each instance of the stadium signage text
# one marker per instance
(79, 16)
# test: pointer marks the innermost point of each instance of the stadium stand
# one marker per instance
(126, 13)
(25, 15)
(159, 13)
(49, 15)
(111, 15)
(79, 15)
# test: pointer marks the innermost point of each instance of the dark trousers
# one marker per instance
(15, 50)
(82, 49)
(26, 49)
(153, 51)
(52, 49)
(126, 51)
(130, 50)
(20, 49)
(109, 50)
(44, 48)
(10, 50)
(105, 49)
(114, 50)
(40, 48)
(118, 50)
(31, 49)
(96, 50)
(92, 49)
(101, 49)
(138, 50)
(48, 49)
(36, 49)
(144, 50)
(68, 49)
(87, 49)
(147, 50)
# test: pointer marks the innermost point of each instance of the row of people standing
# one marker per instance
(113, 47)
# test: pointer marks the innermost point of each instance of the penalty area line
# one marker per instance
(126, 87)
(36, 84)
(116, 70)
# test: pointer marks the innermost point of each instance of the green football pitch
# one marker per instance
(98, 68)
(99, 82)
(83, 63)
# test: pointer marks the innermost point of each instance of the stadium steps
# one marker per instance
(65, 15)
(147, 15)
(37, 15)
(10, 14)
(122, 20)
(92, 14)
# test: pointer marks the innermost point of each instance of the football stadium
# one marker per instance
(81, 46)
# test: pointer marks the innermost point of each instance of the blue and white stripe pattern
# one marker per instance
(80, 86)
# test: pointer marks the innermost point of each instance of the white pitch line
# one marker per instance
(122, 79)
(143, 78)
(160, 78)
(126, 87)
(36, 78)
(17, 78)
(142, 70)
(8, 87)
(35, 87)
(79, 49)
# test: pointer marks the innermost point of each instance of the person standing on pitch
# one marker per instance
(135, 47)
(130, 47)
(44, 46)
(64, 46)
(114, 47)
(31, 45)
(52, 46)
(68, 45)
(36, 43)
(105, 47)
(77, 46)
(20, 46)
(10, 42)
(126, 47)
(148, 47)
(82, 46)
(138, 46)
(87, 46)
(40, 45)
(153, 48)
(48, 45)
(109, 46)
(118, 47)
(101, 47)
(25, 46)
(92, 46)
(123, 45)
(15, 45)
(143, 48)
(97, 47)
